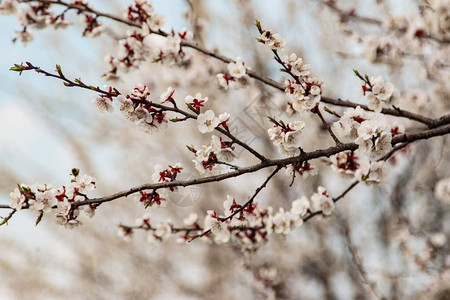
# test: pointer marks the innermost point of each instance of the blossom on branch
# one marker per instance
(236, 77)
(286, 137)
(320, 201)
(379, 93)
(442, 190)
(103, 103)
(374, 138)
(207, 121)
(43, 199)
(273, 40)
(346, 128)
(369, 172)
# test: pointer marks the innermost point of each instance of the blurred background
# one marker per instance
(384, 242)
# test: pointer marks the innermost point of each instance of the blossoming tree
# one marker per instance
(325, 146)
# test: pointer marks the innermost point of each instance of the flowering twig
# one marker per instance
(245, 205)
(399, 113)
(405, 138)
(113, 92)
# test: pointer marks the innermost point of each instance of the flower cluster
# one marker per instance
(160, 174)
(370, 172)
(167, 175)
(92, 28)
(382, 49)
(283, 222)
(374, 137)
(161, 232)
(131, 53)
(136, 107)
(236, 77)
(305, 90)
(370, 131)
(346, 128)
(345, 163)
(261, 222)
(35, 16)
(143, 13)
(207, 157)
(40, 198)
(172, 53)
(379, 93)
(286, 137)
(247, 225)
(152, 198)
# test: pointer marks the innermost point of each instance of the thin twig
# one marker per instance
(246, 204)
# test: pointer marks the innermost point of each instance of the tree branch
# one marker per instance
(405, 138)
(275, 84)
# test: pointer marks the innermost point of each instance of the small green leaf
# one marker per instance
(4, 221)
(191, 148)
(18, 68)
(39, 219)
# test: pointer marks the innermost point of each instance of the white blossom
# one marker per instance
(370, 172)
(300, 206)
(374, 138)
(438, 239)
(298, 68)
(17, 199)
(191, 220)
(382, 93)
(156, 21)
(320, 201)
(24, 36)
(8, 7)
(103, 104)
(291, 138)
(237, 68)
(442, 190)
(166, 94)
(173, 44)
(346, 128)
(273, 40)
(44, 201)
(207, 121)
